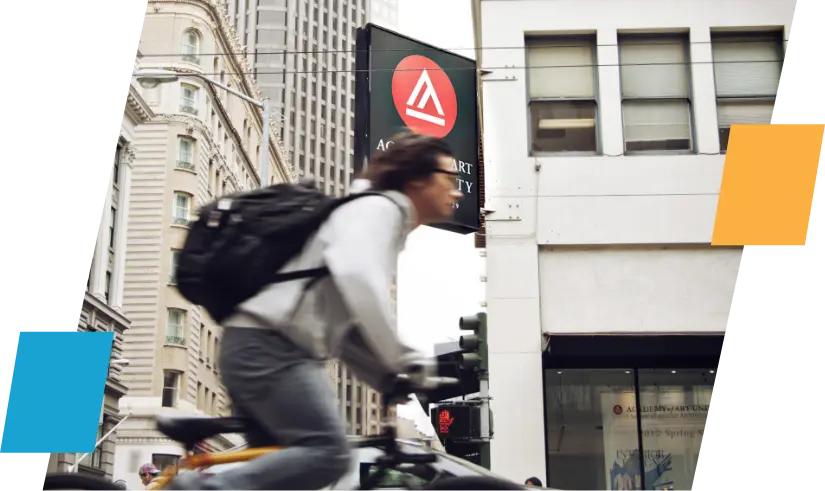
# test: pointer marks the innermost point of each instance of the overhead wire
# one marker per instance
(487, 68)
(256, 73)
(482, 48)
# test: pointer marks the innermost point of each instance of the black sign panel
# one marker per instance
(402, 84)
(455, 422)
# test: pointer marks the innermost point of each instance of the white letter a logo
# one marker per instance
(429, 94)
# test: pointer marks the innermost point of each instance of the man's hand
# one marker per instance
(420, 370)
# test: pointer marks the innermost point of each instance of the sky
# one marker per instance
(439, 272)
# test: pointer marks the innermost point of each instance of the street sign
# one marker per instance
(402, 83)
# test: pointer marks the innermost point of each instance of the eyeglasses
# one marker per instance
(448, 172)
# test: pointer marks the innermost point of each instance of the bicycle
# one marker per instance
(189, 431)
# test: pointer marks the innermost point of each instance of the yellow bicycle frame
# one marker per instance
(192, 462)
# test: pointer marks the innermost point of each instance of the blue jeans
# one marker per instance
(290, 403)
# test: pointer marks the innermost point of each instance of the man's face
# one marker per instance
(146, 478)
(440, 192)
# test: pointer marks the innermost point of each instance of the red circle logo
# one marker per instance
(424, 96)
(617, 409)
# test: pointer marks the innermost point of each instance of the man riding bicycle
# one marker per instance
(275, 344)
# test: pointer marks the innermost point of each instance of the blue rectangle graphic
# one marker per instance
(57, 392)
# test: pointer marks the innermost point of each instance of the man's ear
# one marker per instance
(417, 184)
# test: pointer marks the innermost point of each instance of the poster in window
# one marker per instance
(672, 428)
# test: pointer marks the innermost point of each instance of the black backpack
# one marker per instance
(239, 243)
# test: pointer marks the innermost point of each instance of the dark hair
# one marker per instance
(534, 481)
(409, 157)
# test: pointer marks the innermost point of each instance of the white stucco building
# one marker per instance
(605, 127)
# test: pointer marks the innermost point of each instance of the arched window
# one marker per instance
(191, 45)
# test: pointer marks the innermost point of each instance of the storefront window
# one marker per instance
(593, 436)
(674, 411)
(579, 403)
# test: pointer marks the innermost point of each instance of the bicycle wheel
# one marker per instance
(472, 483)
(77, 481)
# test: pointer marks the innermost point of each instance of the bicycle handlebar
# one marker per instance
(404, 385)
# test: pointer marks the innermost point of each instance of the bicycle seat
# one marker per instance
(190, 430)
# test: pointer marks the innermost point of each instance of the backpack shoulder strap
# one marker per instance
(352, 197)
(317, 273)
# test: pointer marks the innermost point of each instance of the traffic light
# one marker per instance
(473, 346)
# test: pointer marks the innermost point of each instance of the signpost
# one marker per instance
(403, 84)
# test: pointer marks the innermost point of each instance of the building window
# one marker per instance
(96, 459)
(171, 383)
(655, 73)
(209, 348)
(746, 69)
(180, 210)
(175, 322)
(112, 223)
(116, 170)
(186, 150)
(216, 351)
(202, 343)
(162, 461)
(562, 89)
(591, 420)
(199, 397)
(191, 45)
(188, 99)
(173, 267)
(108, 285)
(210, 178)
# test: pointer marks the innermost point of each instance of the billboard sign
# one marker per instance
(402, 84)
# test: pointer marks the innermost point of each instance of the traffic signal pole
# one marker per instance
(475, 357)
(483, 384)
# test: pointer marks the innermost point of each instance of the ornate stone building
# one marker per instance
(202, 143)
(102, 308)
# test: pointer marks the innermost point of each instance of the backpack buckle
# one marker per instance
(214, 219)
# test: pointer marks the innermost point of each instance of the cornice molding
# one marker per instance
(136, 107)
(236, 52)
(108, 312)
(138, 440)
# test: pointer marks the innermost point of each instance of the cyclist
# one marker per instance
(274, 346)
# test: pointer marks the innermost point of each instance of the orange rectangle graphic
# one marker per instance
(767, 185)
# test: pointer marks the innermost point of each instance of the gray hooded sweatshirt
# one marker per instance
(347, 315)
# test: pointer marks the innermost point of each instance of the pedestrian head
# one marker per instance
(147, 472)
(421, 167)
